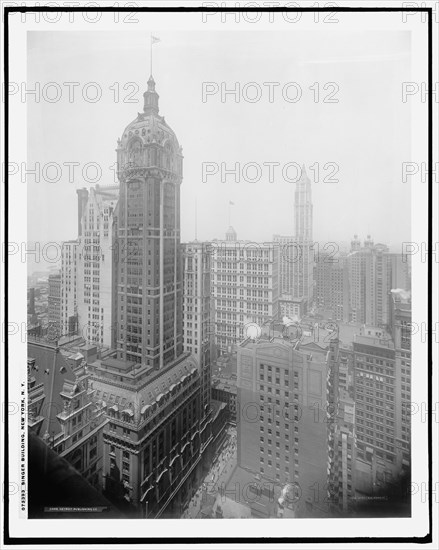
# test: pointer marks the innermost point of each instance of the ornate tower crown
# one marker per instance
(148, 142)
(151, 99)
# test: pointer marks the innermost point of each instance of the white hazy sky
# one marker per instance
(367, 133)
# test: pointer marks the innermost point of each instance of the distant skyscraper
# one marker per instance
(322, 277)
(373, 271)
(303, 267)
(69, 289)
(303, 218)
(54, 304)
(87, 268)
(331, 277)
(296, 253)
(287, 254)
(95, 265)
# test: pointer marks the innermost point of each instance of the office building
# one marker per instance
(245, 288)
(69, 289)
(322, 278)
(95, 254)
(87, 268)
(293, 308)
(282, 426)
(331, 277)
(380, 407)
(401, 330)
(296, 253)
(150, 388)
(61, 409)
(341, 434)
(224, 386)
(198, 325)
(54, 304)
(373, 271)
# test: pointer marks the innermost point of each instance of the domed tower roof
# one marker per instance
(355, 243)
(149, 125)
(151, 98)
(149, 130)
(368, 243)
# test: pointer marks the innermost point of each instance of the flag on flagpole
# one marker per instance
(231, 203)
(154, 40)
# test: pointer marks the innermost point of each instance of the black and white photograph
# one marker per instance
(219, 247)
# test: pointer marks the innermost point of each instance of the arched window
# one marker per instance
(135, 152)
(169, 156)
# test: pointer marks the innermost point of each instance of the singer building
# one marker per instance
(150, 387)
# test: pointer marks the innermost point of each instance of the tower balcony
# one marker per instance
(133, 171)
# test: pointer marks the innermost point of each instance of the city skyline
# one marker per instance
(329, 127)
(226, 331)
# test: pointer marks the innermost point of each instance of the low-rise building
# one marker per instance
(61, 409)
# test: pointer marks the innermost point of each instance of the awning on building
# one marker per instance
(144, 409)
(142, 498)
(161, 473)
(174, 459)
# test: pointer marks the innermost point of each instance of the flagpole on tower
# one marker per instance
(153, 40)
(150, 55)
(230, 204)
(196, 219)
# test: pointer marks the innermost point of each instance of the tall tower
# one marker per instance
(149, 270)
(303, 208)
(303, 261)
(151, 390)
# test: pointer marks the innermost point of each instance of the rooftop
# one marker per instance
(226, 384)
(50, 372)
(374, 341)
(259, 497)
(116, 391)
